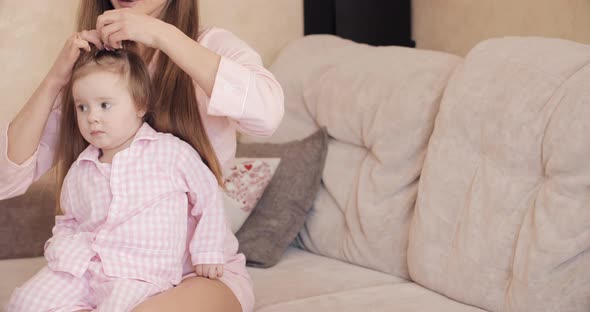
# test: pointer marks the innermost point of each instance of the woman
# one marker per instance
(206, 69)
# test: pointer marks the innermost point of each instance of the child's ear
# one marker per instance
(141, 113)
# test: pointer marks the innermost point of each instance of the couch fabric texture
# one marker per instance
(469, 177)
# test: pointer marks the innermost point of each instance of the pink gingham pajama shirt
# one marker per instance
(125, 226)
(246, 97)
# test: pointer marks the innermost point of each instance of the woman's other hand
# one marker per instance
(61, 70)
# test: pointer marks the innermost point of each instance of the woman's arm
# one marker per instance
(229, 72)
(25, 130)
(17, 174)
(232, 75)
(27, 144)
(198, 62)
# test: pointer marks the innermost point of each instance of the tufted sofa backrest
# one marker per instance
(502, 220)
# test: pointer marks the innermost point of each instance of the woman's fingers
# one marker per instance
(107, 35)
(82, 44)
(105, 19)
(93, 37)
(117, 38)
(199, 270)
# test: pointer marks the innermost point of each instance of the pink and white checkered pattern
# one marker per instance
(136, 213)
(57, 291)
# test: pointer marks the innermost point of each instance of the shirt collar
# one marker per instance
(145, 133)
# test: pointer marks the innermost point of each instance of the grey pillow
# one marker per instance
(281, 211)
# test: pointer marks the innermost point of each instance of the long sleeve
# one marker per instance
(68, 250)
(206, 206)
(243, 90)
(15, 179)
(65, 225)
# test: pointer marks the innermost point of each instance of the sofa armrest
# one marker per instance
(26, 221)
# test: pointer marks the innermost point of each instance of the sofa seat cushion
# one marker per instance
(407, 297)
(298, 276)
(301, 281)
(301, 275)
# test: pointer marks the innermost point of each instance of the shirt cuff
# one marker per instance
(212, 257)
(230, 90)
(69, 254)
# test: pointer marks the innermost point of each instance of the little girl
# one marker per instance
(137, 204)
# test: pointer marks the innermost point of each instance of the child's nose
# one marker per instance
(93, 115)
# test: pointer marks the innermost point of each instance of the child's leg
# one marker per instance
(122, 294)
(51, 291)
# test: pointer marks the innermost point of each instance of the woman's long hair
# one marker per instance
(177, 110)
(175, 107)
(132, 70)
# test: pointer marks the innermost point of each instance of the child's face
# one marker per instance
(107, 115)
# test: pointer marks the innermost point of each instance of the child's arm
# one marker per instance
(66, 224)
(68, 250)
(205, 202)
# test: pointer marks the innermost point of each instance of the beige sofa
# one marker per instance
(450, 184)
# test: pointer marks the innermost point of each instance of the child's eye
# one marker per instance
(105, 105)
(82, 108)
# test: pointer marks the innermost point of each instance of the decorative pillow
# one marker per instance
(281, 211)
(245, 182)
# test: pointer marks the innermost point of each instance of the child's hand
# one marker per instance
(212, 271)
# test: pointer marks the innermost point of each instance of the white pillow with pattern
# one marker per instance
(245, 183)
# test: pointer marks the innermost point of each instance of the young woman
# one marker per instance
(209, 70)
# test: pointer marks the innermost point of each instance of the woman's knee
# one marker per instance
(193, 294)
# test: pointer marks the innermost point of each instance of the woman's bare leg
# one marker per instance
(193, 294)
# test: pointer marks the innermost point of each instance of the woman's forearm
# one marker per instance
(200, 63)
(25, 130)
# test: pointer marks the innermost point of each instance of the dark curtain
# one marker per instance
(375, 22)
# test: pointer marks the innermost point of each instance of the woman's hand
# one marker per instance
(212, 271)
(61, 70)
(114, 26)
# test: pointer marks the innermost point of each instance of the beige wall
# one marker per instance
(267, 25)
(32, 32)
(457, 25)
